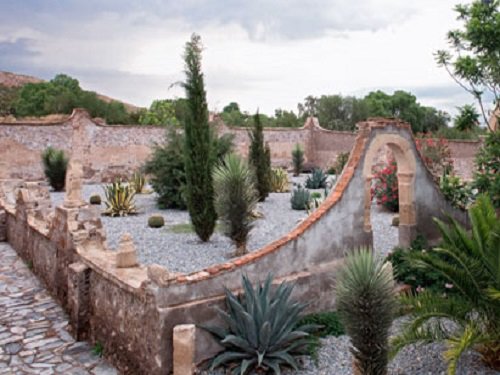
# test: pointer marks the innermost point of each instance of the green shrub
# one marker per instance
(472, 268)
(487, 176)
(328, 322)
(317, 180)
(366, 302)
(456, 191)
(137, 182)
(340, 162)
(199, 156)
(259, 160)
(300, 198)
(55, 164)
(95, 199)
(385, 186)
(119, 199)
(279, 181)
(235, 199)
(166, 168)
(263, 331)
(156, 221)
(297, 159)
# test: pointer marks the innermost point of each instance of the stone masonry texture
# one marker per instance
(34, 337)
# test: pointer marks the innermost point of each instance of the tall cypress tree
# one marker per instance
(260, 158)
(199, 155)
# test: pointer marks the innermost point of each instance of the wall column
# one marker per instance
(407, 213)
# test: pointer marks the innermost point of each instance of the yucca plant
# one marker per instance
(279, 181)
(137, 182)
(119, 199)
(472, 267)
(55, 164)
(317, 180)
(300, 199)
(235, 199)
(263, 331)
(297, 159)
(366, 302)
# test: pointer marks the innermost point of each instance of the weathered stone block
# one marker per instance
(184, 349)
(78, 299)
(126, 255)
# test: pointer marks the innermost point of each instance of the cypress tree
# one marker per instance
(199, 156)
(260, 158)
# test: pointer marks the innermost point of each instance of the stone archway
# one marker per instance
(405, 159)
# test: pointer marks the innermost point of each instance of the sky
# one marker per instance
(262, 54)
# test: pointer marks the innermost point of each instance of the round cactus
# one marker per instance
(156, 221)
(95, 199)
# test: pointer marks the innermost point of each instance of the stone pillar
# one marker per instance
(184, 340)
(78, 299)
(126, 255)
(407, 213)
(74, 178)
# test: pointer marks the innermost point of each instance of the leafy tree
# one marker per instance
(467, 118)
(472, 60)
(8, 96)
(198, 158)
(259, 160)
(161, 112)
(286, 119)
(487, 175)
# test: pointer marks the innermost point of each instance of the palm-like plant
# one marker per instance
(55, 164)
(297, 159)
(235, 199)
(263, 329)
(366, 302)
(470, 318)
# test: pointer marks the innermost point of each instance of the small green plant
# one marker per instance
(95, 199)
(55, 164)
(98, 349)
(366, 302)
(156, 221)
(263, 331)
(328, 322)
(235, 199)
(138, 181)
(317, 180)
(279, 181)
(340, 162)
(119, 199)
(29, 264)
(259, 159)
(300, 198)
(297, 159)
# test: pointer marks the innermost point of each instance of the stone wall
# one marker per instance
(132, 310)
(112, 151)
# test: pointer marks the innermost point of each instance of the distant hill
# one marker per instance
(12, 80)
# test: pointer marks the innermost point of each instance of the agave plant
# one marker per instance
(366, 302)
(235, 199)
(55, 164)
(137, 182)
(119, 199)
(317, 180)
(301, 198)
(279, 181)
(472, 312)
(262, 329)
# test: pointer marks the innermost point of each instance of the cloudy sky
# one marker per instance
(261, 54)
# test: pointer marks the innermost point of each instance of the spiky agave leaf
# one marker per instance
(262, 328)
(119, 199)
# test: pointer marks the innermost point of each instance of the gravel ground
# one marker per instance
(180, 252)
(334, 358)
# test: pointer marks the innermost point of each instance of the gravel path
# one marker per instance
(184, 252)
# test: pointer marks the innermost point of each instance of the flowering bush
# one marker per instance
(436, 155)
(385, 186)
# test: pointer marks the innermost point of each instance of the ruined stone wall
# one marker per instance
(116, 151)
